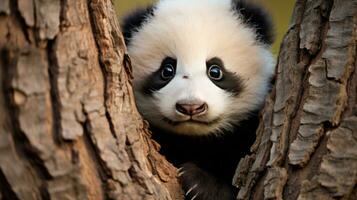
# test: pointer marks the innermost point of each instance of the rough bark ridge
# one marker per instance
(69, 126)
(306, 145)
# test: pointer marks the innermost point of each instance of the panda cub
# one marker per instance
(202, 69)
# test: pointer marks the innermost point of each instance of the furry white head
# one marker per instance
(198, 67)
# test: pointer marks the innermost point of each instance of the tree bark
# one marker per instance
(69, 128)
(306, 145)
(68, 121)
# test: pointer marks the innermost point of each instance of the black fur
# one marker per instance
(230, 82)
(154, 82)
(210, 161)
(257, 18)
(135, 20)
(205, 186)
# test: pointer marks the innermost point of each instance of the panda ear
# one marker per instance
(134, 21)
(257, 18)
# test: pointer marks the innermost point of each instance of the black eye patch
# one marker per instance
(230, 81)
(155, 81)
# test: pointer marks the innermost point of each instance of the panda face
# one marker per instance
(198, 69)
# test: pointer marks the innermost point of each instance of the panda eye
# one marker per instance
(168, 72)
(215, 73)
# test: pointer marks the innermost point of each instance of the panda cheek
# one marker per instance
(231, 83)
(153, 83)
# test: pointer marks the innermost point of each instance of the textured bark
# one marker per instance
(69, 128)
(306, 145)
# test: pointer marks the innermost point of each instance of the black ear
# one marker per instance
(134, 21)
(257, 18)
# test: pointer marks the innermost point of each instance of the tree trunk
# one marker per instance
(306, 145)
(68, 121)
(70, 129)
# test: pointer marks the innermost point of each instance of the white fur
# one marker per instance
(193, 32)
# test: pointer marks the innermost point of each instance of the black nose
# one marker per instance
(191, 108)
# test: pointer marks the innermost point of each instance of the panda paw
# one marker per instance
(200, 185)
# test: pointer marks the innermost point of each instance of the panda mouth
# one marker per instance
(190, 121)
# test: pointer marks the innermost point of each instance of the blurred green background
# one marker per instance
(281, 11)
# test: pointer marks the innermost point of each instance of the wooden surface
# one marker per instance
(306, 145)
(69, 125)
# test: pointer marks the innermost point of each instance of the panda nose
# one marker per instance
(191, 109)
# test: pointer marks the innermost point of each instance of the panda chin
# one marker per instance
(190, 121)
(192, 127)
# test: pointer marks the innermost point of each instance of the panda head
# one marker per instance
(200, 66)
